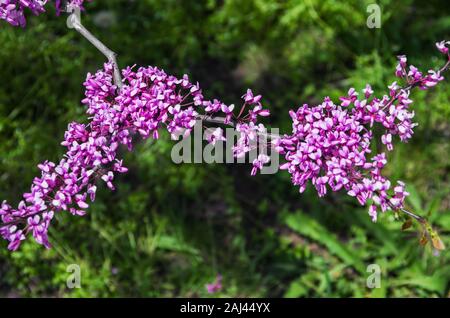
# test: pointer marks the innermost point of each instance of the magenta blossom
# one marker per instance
(330, 144)
(150, 100)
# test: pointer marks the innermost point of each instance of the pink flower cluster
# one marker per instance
(12, 11)
(330, 144)
(148, 101)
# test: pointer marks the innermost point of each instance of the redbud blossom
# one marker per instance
(12, 11)
(330, 144)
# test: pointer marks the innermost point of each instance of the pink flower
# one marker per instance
(442, 46)
(373, 212)
(330, 145)
(12, 11)
(216, 135)
(228, 111)
(108, 178)
(80, 199)
(259, 162)
(432, 78)
(368, 91)
(250, 99)
(216, 286)
(352, 95)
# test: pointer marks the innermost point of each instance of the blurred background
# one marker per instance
(170, 229)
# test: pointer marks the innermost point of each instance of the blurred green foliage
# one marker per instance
(169, 229)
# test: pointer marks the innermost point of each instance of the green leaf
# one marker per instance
(309, 227)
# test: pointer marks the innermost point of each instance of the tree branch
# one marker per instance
(74, 22)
